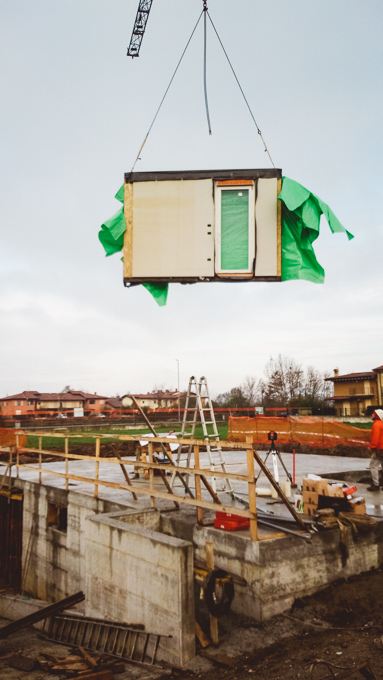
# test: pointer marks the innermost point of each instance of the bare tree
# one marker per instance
(250, 388)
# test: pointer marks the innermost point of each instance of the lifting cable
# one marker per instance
(167, 90)
(204, 12)
(243, 94)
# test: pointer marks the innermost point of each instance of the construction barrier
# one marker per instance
(8, 437)
(319, 433)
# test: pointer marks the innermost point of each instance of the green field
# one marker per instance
(50, 442)
(361, 426)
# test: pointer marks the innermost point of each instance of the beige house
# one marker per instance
(354, 393)
(153, 400)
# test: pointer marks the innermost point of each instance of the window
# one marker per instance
(92, 401)
(235, 230)
(102, 401)
(29, 402)
(19, 403)
(57, 517)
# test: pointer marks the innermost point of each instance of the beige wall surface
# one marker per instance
(266, 227)
(170, 228)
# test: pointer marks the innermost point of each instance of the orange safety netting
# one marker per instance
(320, 433)
(8, 437)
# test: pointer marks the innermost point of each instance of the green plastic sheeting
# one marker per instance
(112, 233)
(301, 212)
(120, 194)
(111, 236)
(159, 292)
(234, 230)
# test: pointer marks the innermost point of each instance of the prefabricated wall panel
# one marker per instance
(174, 225)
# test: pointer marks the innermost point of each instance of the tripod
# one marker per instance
(272, 436)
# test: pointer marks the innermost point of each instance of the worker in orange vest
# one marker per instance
(376, 446)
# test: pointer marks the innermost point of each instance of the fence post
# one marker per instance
(198, 485)
(97, 467)
(251, 486)
(66, 464)
(17, 455)
(151, 476)
(40, 457)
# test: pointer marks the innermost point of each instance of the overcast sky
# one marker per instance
(74, 111)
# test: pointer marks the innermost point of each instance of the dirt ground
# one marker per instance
(342, 625)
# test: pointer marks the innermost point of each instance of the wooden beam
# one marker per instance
(210, 566)
(128, 236)
(118, 455)
(198, 492)
(161, 466)
(251, 487)
(97, 468)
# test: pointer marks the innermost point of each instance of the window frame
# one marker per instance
(251, 229)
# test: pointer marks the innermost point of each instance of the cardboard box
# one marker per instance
(317, 484)
(357, 505)
(310, 497)
(335, 491)
(310, 509)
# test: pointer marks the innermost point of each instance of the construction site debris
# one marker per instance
(21, 663)
(42, 614)
(365, 670)
(110, 638)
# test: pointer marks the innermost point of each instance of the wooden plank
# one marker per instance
(97, 466)
(151, 476)
(66, 463)
(51, 609)
(202, 638)
(124, 471)
(90, 661)
(279, 229)
(40, 458)
(208, 505)
(198, 492)
(234, 446)
(128, 236)
(278, 489)
(203, 472)
(251, 488)
(210, 566)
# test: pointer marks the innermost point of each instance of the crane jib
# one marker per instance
(143, 11)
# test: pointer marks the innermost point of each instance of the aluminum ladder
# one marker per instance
(198, 402)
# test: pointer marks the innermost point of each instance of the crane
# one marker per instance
(143, 11)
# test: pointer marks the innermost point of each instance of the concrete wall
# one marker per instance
(54, 561)
(128, 571)
(278, 571)
(139, 576)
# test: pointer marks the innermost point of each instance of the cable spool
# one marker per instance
(218, 606)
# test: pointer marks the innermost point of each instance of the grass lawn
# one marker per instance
(58, 442)
(361, 426)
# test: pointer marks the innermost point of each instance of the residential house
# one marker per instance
(355, 394)
(32, 402)
(153, 400)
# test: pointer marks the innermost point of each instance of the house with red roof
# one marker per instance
(32, 403)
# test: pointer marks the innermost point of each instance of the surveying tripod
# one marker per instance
(272, 437)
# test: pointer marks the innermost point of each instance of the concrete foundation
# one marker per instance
(128, 570)
(135, 564)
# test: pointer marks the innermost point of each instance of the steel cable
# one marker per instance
(167, 90)
(243, 94)
(204, 71)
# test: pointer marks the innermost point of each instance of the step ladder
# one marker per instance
(96, 635)
(198, 403)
